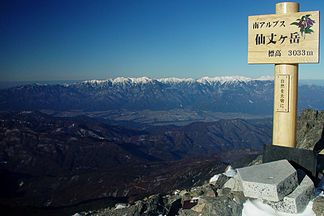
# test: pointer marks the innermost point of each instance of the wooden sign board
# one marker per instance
(284, 38)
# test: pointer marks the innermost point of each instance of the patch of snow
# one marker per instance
(48, 203)
(223, 79)
(121, 80)
(26, 112)
(265, 78)
(195, 199)
(176, 192)
(120, 206)
(174, 80)
(230, 172)
(95, 81)
(257, 207)
(139, 80)
(142, 80)
(40, 84)
(214, 178)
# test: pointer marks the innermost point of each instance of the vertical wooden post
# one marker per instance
(285, 94)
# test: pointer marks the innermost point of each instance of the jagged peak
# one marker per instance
(121, 80)
(224, 79)
(232, 79)
(139, 80)
(265, 78)
(175, 80)
(95, 81)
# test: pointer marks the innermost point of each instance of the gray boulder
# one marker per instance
(222, 206)
(318, 206)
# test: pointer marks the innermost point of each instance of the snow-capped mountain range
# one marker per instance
(218, 94)
(175, 80)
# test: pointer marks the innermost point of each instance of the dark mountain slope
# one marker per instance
(53, 161)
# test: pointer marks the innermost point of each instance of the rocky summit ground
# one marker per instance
(310, 128)
(222, 196)
(214, 198)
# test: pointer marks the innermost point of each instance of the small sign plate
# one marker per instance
(282, 91)
(284, 38)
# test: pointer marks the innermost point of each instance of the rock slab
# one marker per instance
(297, 201)
(234, 184)
(269, 181)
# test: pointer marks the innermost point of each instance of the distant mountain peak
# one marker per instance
(224, 79)
(139, 80)
(265, 78)
(121, 80)
(175, 80)
(232, 79)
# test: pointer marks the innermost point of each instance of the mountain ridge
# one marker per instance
(231, 95)
(206, 79)
(226, 95)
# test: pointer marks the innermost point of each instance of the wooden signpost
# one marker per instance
(285, 39)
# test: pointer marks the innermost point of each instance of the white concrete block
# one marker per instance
(269, 181)
(296, 201)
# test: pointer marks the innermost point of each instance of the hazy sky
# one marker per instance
(76, 40)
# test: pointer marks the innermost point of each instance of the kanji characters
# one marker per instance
(274, 53)
(272, 39)
(294, 37)
(261, 39)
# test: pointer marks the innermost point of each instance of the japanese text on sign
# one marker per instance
(282, 82)
(284, 38)
(273, 24)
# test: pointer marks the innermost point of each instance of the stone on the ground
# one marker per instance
(188, 212)
(200, 205)
(186, 196)
(224, 192)
(239, 197)
(134, 210)
(204, 190)
(318, 206)
(234, 184)
(222, 179)
(270, 181)
(222, 206)
(296, 201)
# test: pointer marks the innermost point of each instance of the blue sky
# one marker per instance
(77, 40)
